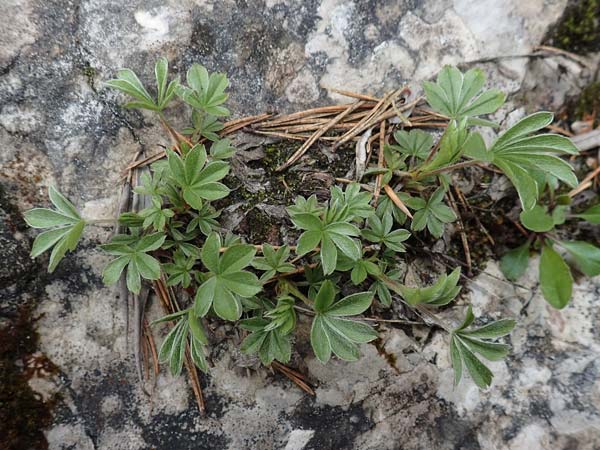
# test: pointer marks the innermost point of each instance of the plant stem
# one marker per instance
(292, 289)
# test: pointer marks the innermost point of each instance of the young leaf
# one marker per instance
(226, 282)
(330, 333)
(65, 237)
(537, 219)
(453, 94)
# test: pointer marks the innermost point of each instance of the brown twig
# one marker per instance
(380, 163)
(304, 148)
(294, 376)
(463, 234)
(399, 203)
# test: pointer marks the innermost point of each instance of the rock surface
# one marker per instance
(59, 125)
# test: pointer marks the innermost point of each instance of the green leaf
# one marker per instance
(555, 278)
(161, 70)
(166, 349)
(210, 252)
(47, 239)
(226, 305)
(414, 143)
(492, 330)
(340, 345)
(537, 219)
(352, 330)
(244, 284)
(592, 215)
(351, 305)
(491, 351)
(128, 82)
(456, 359)
(325, 296)
(236, 258)
(134, 281)
(178, 350)
(328, 255)
(170, 317)
(308, 241)
(586, 256)
(514, 263)
(481, 375)
(455, 94)
(319, 339)
(520, 156)
(150, 242)
(46, 218)
(196, 328)
(148, 267)
(205, 295)
(112, 271)
(61, 203)
(348, 246)
(307, 221)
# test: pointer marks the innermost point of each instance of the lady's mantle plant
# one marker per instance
(344, 240)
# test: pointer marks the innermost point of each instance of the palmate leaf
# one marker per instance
(188, 329)
(205, 92)
(66, 227)
(525, 159)
(226, 282)
(270, 335)
(273, 261)
(380, 231)
(465, 342)
(442, 292)
(134, 256)
(331, 333)
(415, 143)
(432, 213)
(198, 179)
(458, 95)
(330, 227)
(129, 83)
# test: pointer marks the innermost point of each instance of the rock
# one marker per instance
(59, 125)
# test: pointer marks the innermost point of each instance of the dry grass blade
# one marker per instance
(353, 95)
(238, 124)
(303, 149)
(380, 163)
(399, 203)
(463, 235)
(314, 112)
(360, 126)
(296, 377)
(585, 183)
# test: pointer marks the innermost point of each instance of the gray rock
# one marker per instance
(58, 124)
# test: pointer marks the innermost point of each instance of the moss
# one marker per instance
(588, 102)
(89, 73)
(579, 29)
